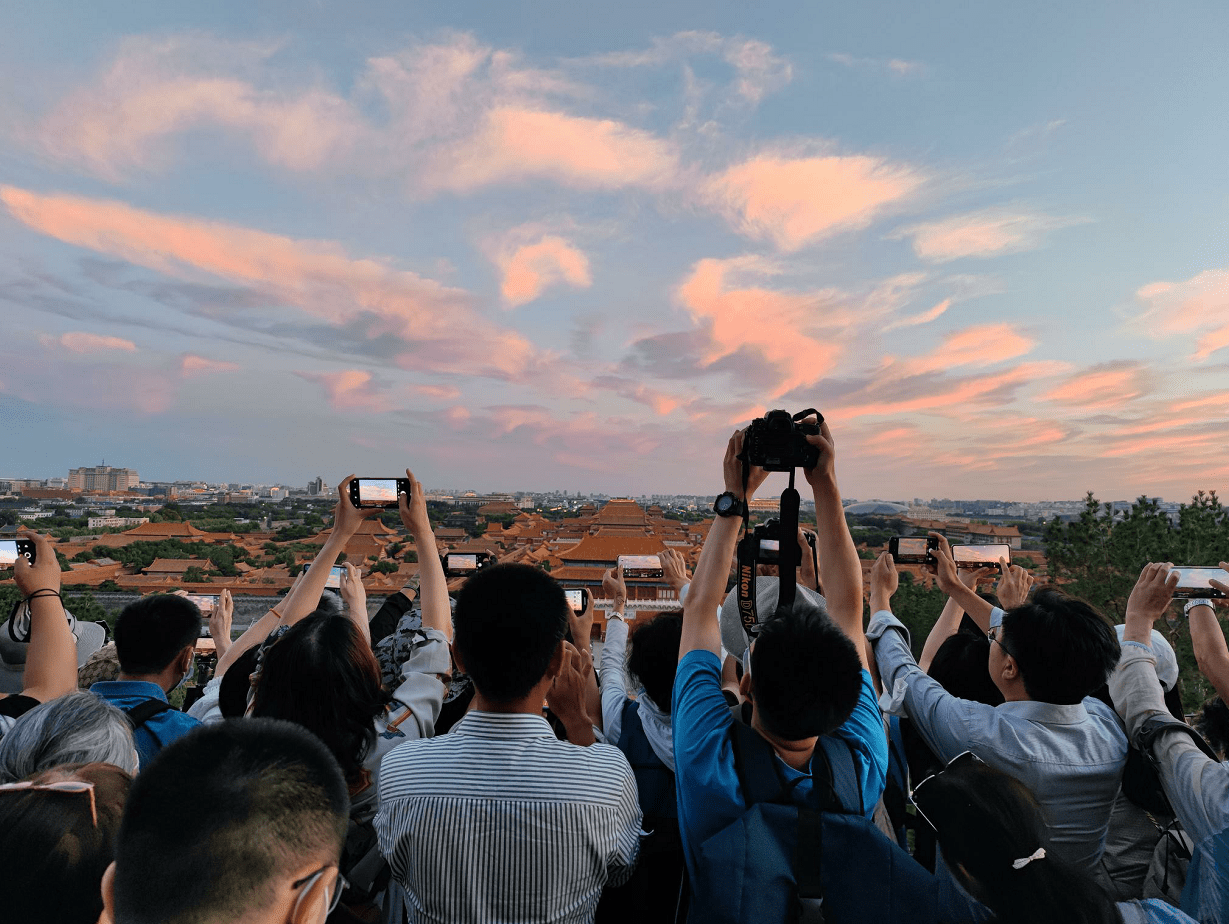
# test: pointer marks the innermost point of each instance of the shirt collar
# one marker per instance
(504, 724)
(1047, 713)
(128, 688)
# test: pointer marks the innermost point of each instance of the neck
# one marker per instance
(795, 753)
(529, 704)
(158, 680)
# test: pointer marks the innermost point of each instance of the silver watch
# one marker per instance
(1199, 601)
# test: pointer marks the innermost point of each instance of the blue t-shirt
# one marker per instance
(161, 729)
(709, 796)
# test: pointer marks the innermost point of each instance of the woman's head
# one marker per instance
(995, 839)
(57, 836)
(77, 728)
(323, 675)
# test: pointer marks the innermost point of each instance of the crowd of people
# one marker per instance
(465, 759)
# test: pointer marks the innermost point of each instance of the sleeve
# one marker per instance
(421, 692)
(621, 862)
(613, 680)
(866, 735)
(1197, 786)
(208, 709)
(709, 796)
(945, 722)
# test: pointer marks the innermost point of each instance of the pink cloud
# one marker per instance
(949, 397)
(531, 268)
(191, 364)
(792, 201)
(987, 233)
(979, 345)
(924, 318)
(83, 342)
(517, 144)
(1200, 303)
(441, 332)
(1107, 386)
(350, 390)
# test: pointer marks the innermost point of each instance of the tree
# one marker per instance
(194, 575)
(384, 567)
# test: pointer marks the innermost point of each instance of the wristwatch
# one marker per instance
(1190, 604)
(729, 504)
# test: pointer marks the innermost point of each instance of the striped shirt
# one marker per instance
(499, 821)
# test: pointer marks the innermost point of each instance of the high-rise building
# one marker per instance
(102, 478)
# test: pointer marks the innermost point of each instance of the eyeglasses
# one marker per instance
(966, 759)
(993, 634)
(72, 786)
(307, 882)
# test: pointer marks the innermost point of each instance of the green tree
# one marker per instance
(194, 575)
(384, 567)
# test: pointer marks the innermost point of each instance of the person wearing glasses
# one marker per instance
(242, 821)
(996, 842)
(1048, 654)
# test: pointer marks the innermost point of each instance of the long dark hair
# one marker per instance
(323, 676)
(987, 820)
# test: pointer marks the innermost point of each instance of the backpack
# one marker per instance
(820, 862)
(145, 710)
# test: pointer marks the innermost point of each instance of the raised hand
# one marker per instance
(1013, 586)
(220, 622)
(674, 568)
(1153, 591)
(732, 469)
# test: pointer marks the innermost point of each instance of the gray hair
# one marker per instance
(77, 728)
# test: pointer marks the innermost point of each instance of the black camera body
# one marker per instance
(777, 442)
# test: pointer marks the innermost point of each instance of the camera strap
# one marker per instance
(748, 552)
(788, 560)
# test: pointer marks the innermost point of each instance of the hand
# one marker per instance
(581, 627)
(352, 591)
(614, 587)
(1013, 585)
(1222, 586)
(824, 471)
(220, 622)
(945, 547)
(1153, 591)
(566, 696)
(884, 579)
(732, 470)
(971, 579)
(44, 574)
(413, 509)
(346, 517)
(947, 576)
(806, 568)
(674, 568)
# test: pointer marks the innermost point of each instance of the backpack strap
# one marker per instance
(1157, 725)
(755, 763)
(844, 783)
(145, 710)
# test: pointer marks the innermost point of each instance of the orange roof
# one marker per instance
(177, 565)
(166, 531)
(604, 549)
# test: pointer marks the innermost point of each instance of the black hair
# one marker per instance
(237, 683)
(1065, 649)
(805, 672)
(509, 622)
(1212, 721)
(962, 667)
(985, 821)
(654, 657)
(220, 815)
(323, 675)
(152, 631)
(54, 853)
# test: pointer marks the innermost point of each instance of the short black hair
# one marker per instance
(219, 815)
(962, 667)
(654, 657)
(1065, 649)
(150, 632)
(509, 622)
(806, 673)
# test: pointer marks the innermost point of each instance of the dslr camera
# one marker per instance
(777, 442)
(767, 537)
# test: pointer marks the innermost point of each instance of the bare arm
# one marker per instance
(51, 660)
(948, 623)
(355, 596)
(433, 585)
(1208, 640)
(948, 578)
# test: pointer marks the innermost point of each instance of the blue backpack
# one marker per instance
(819, 862)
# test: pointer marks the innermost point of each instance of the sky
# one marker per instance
(574, 246)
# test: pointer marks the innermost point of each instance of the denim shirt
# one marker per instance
(1070, 756)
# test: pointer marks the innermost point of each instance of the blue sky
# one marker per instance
(532, 245)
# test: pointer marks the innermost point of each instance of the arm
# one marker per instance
(433, 585)
(355, 596)
(1211, 652)
(566, 698)
(257, 632)
(220, 622)
(947, 576)
(948, 622)
(581, 628)
(707, 590)
(614, 651)
(51, 659)
(839, 566)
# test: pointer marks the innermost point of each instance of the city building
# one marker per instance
(102, 478)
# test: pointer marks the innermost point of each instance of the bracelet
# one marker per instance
(44, 592)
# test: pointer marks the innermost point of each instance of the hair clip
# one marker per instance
(1025, 861)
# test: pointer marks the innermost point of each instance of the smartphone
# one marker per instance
(641, 566)
(578, 600)
(980, 555)
(378, 492)
(911, 550)
(459, 563)
(206, 603)
(12, 549)
(1193, 583)
(334, 578)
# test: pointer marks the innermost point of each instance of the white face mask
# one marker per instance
(188, 675)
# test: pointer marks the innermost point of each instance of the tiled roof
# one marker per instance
(177, 565)
(166, 531)
(602, 549)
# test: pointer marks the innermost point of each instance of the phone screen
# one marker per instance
(576, 600)
(912, 547)
(462, 562)
(641, 566)
(1200, 578)
(204, 602)
(980, 554)
(377, 491)
(334, 579)
(8, 552)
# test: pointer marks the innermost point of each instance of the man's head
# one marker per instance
(654, 657)
(805, 672)
(231, 823)
(156, 635)
(1063, 650)
(509, 622)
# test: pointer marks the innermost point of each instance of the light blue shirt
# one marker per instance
(1071, 757)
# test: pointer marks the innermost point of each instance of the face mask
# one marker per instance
(186, 677)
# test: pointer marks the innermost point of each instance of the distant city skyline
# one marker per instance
(575, 246)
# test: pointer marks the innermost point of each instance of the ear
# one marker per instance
(1011, 670)
(556, 661)
(744, 685)
(108, 896)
